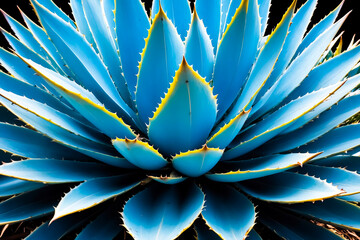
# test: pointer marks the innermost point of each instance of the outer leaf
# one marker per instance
(11, 186)
(264, 9)
(351, 163)
(236, 53)
(54, 171)
(228, 212)
(198, 49)
(236, 171)
(132, 26)
(289, 187)
(197, 162)
(178, 11)
(140, 153)
(334, 211)
(186, 115)
(159, 61)
(166, 211)
(93, 192)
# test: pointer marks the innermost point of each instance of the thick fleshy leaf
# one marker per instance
(278, 121)
(346, 180)
(289, 187)
(108, 9)
(165, 210)
(326, 121)
(263, 66)
(88, 68)
(178, 11)
(186, 115)
(110, 227)
(93, 192)
(228, 212)
(296, 72)
(28, 143)
(132, 25)
(291, 227)
(54, 171)
(172, 178)
(236, 53)
(336, 141)
(195, 163)
(225, 5)
(334, 211)
(105, 42)
(11, 186)
(30, 205)
(160, 59)
(210, 12)
(86, 104)
(264, 9)
(351, 163)
(140, 153)
(236, 171)
(223, 136)
(198, 49)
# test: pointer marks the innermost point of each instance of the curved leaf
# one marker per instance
(172, 178)
(11, 186)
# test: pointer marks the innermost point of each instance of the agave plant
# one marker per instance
(179, 120)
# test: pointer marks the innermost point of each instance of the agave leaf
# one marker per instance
(166, 211)
(54, 171)
(297, 30)
(198, 49)
(30, 205)
(291, 227)
(86, 104)
(59, 228)
(178, 12)
(93, 192)
(172, 178)
(278, 121)
(210, 12)
(101, 32)
(334, 211)
(132, 24)
(159, 61)
(335, 141)
(140, 153)
(28, 143)
(264, 10)
(110, 227)
(108, 9)
(351, 163)
(296, 72)
(195, 163)
(241, 170)
(347, 180)
(221, 137)
(326, 121)
(289, 187)
(264, 64)
(225, 5)
(87, 66)
(236, 53)
(10, 186)
(186, 115)
(228, 212)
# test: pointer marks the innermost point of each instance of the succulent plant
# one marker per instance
(179, 120)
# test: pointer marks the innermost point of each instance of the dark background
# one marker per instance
(351, 26)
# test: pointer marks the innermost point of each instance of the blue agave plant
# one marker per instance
(179, 120)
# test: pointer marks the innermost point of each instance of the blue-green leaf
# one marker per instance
(228, 212)
(160, 59)
(165, 210)
(132, 25)
(240, 170)
(195, 163)
(11, 186)
(178, 11)
(172, 178)
(334, 211)
(287, 187)
(93, 192)
(198, 49)
(186, 115)
(264, 10)
(351, 163)
(236, 53)
(140, 153)
(54, 171)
